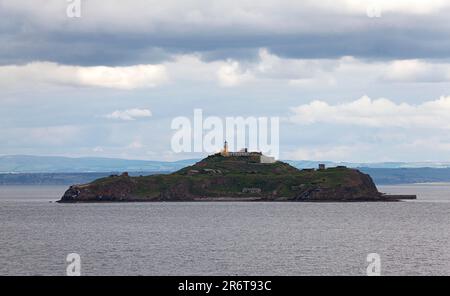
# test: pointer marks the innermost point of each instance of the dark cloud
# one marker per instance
(331, 35)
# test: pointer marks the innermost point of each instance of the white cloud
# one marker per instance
(307, 72)
(129, 114)
(138, 76)
(226, 73)
(376, 113)
(231, 74)
(417, 71)
(399, 6)
(274, 67)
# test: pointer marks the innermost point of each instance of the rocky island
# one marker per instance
(234, 176)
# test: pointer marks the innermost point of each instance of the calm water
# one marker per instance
(412, 238)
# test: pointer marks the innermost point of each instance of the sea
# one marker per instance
(225, 238)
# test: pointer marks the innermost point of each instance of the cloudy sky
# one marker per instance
(351, 80)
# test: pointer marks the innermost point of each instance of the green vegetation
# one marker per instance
(232, 177)
(228, 176)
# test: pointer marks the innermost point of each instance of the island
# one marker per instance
(235, 176)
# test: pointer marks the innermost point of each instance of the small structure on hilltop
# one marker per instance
(261, 158)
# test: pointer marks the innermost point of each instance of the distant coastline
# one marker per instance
(54, 170)
(381, 176)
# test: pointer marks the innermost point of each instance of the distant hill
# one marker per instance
(388, 176)
(385, 165)
(58, 178)
(38, 170)
(54, 164)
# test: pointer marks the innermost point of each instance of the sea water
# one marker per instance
(224, 238)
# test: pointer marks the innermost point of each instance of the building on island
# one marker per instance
(261, 158)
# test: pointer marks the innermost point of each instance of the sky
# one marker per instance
(359, 81)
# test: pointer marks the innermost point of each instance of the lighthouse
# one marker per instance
(225, 149)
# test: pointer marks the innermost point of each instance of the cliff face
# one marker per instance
(232, 178)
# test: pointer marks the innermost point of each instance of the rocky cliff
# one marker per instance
(232, 178)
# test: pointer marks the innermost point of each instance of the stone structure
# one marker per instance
(261, 158)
